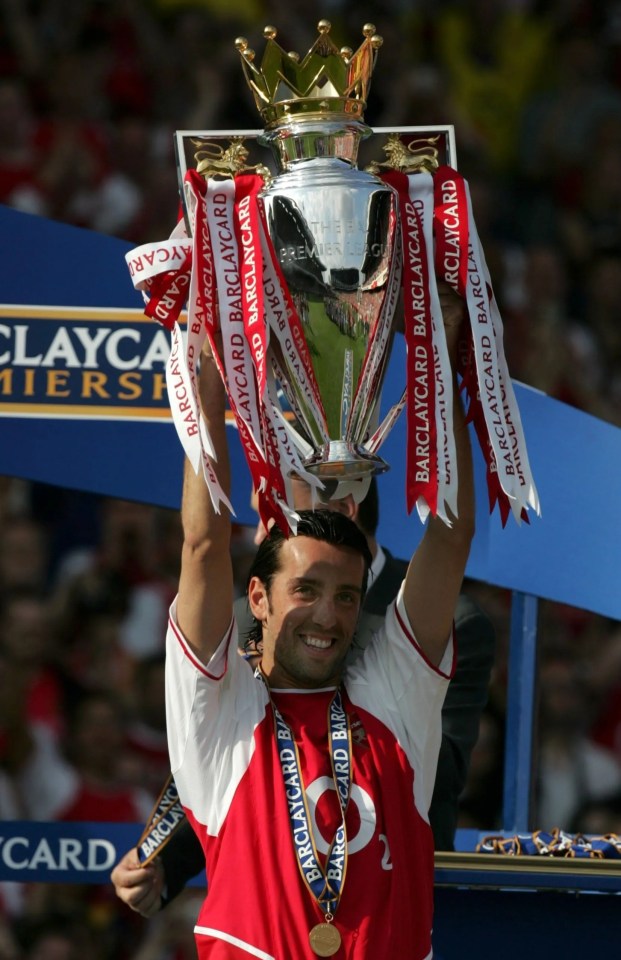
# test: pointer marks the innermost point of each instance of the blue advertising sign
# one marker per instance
(63, 852)
(84, 362)
(83, 406)
(33, 852)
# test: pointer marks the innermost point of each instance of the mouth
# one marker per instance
(317, 643)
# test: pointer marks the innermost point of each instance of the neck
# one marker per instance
(372, 543)
(276, 679)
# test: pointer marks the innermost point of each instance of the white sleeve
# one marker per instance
(395, 681)
(211, 713)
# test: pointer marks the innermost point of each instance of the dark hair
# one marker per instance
(325, 525)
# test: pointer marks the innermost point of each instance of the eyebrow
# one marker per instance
(313, 582)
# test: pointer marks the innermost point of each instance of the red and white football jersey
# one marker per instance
(226, 768)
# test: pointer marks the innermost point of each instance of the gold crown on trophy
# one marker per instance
(327, 81)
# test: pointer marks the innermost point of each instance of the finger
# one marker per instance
(149, 906)
(131, 873)
(137, 896)
(145, 900)
(139, 878)
(141, 898)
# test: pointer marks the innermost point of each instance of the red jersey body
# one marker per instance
(226, 768)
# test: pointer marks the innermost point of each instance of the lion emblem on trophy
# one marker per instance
(215, 161)
(413, 157)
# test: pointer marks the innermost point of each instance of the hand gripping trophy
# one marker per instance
(294, 271)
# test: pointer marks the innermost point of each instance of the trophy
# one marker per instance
(294, 267)
(334, 229)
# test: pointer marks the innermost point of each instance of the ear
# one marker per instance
(345, 505)
(350, 507)
(258, 600)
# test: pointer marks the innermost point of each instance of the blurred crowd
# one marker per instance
(91, 92)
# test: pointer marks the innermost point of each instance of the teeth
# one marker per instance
(317, 642)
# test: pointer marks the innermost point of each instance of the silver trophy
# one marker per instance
(294, 253)
(333, 228)
(335, 231)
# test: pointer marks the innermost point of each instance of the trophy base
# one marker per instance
(342, 460)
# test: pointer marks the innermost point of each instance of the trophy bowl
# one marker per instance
(334, 231)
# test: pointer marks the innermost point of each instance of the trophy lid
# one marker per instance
(327, 82)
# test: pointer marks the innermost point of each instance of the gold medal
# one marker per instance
(324, 939)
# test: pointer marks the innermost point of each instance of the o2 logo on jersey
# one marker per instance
(366, 812)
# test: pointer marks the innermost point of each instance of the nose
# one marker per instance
(324, 613)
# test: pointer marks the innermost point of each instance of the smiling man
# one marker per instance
(307, 617)
(308, 782)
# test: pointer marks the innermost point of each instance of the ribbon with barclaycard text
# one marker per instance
(324, 883)
(166, 817)
(237, 297)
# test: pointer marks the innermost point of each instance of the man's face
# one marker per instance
(310, 614)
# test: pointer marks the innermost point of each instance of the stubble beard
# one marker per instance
(308, 673)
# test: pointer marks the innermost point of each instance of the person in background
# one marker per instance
(572, 770)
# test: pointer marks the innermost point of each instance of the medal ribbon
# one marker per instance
(325, 884)
(165, 818)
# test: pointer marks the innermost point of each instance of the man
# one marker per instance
(428, 600)
(147, 889)
(233, 780)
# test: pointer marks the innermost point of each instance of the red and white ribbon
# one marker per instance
(230, 277)
(422, 197)
(376, 355)
(161, 272)
(421, 448)
(285, 325)
(460, 261)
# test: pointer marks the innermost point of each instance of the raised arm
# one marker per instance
(436, 571)
(205, 601)
(465, 699)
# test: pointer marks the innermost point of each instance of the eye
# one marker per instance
(304, 590)
(348, 597)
